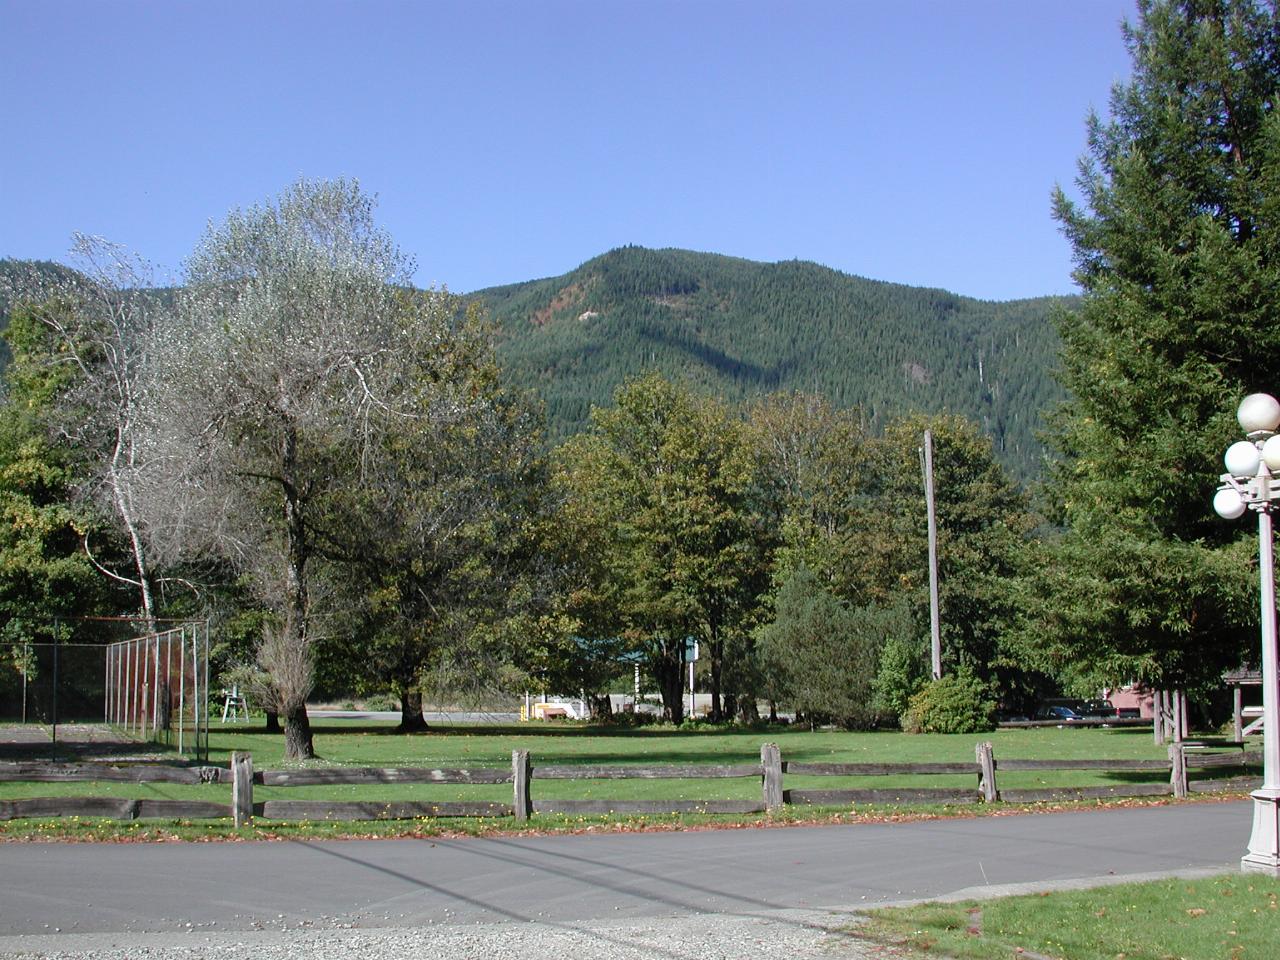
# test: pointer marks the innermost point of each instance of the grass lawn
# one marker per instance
(1232, 917)
(366, 744)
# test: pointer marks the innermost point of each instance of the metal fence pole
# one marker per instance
(144, 657)
(195, 692)
(182, 685)
(155, 692)
(203, 750)
(133, 686)
(119, 684)
(55, 686)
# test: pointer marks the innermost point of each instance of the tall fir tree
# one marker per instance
(1178, 256)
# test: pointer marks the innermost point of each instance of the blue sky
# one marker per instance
(915, 141)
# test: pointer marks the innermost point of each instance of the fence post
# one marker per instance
(987, 772)
(771, 767)
(241, 788)
(1237, 719)
(1178, 770)
(1157, 715)
(522, 806)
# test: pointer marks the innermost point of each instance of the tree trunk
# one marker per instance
(164, 700)
(293, 673)
(601, 707)
(668, 671)
(716, 648)
(298, 744)
(411, 718)
(124, 509)
(273, 722)
(749, 710)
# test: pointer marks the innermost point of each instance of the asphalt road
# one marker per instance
(95, 888)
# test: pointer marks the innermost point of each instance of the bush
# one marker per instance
(957, 703)
(903, 670)
(628, 719)
(381, 701)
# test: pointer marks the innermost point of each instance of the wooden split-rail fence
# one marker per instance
(770, 771)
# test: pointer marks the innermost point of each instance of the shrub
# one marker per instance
(958, 703)
(381, 701)
(628, 719)
(903, 670)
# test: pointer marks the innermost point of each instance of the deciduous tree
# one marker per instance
(665, 479)
(90, 347)
(297, 365)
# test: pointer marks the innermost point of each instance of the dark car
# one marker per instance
(1058, 712)
(1098, 708)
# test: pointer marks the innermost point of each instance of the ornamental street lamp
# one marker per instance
(1248, 484)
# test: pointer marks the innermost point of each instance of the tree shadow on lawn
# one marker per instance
(532, 731)
(646, 746)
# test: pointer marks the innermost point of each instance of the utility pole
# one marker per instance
(935, 627)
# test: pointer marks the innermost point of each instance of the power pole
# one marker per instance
(935, 627)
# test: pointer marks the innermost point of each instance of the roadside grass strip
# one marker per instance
(1229, 917)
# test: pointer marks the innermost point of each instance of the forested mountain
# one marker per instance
(740, 328)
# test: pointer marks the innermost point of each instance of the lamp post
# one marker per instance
(1248, 485)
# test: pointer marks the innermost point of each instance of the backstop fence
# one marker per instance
(156, 687)
(151, 688)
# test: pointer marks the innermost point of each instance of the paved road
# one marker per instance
(94, 888)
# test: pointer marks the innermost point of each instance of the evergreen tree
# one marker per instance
(822, 656)
(1176, 246)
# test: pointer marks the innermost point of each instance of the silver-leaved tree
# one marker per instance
(300, 369)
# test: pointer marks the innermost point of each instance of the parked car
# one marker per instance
(1098, 708)
(1058, 712)
(1010, 716)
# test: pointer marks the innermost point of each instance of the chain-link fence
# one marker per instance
(156, 687)
(151, 688)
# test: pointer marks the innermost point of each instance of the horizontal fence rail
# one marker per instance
(681, 771)
(770, 771)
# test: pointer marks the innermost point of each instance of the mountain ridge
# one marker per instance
(741, 328)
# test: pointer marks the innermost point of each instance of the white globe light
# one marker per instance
(1228, 504)
(1242, 459)
(1271, 453)
(1259, 411)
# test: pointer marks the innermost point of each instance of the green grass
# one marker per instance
(1231, 917)
(361, 743)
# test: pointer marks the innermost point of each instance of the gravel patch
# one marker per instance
(786, 935)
